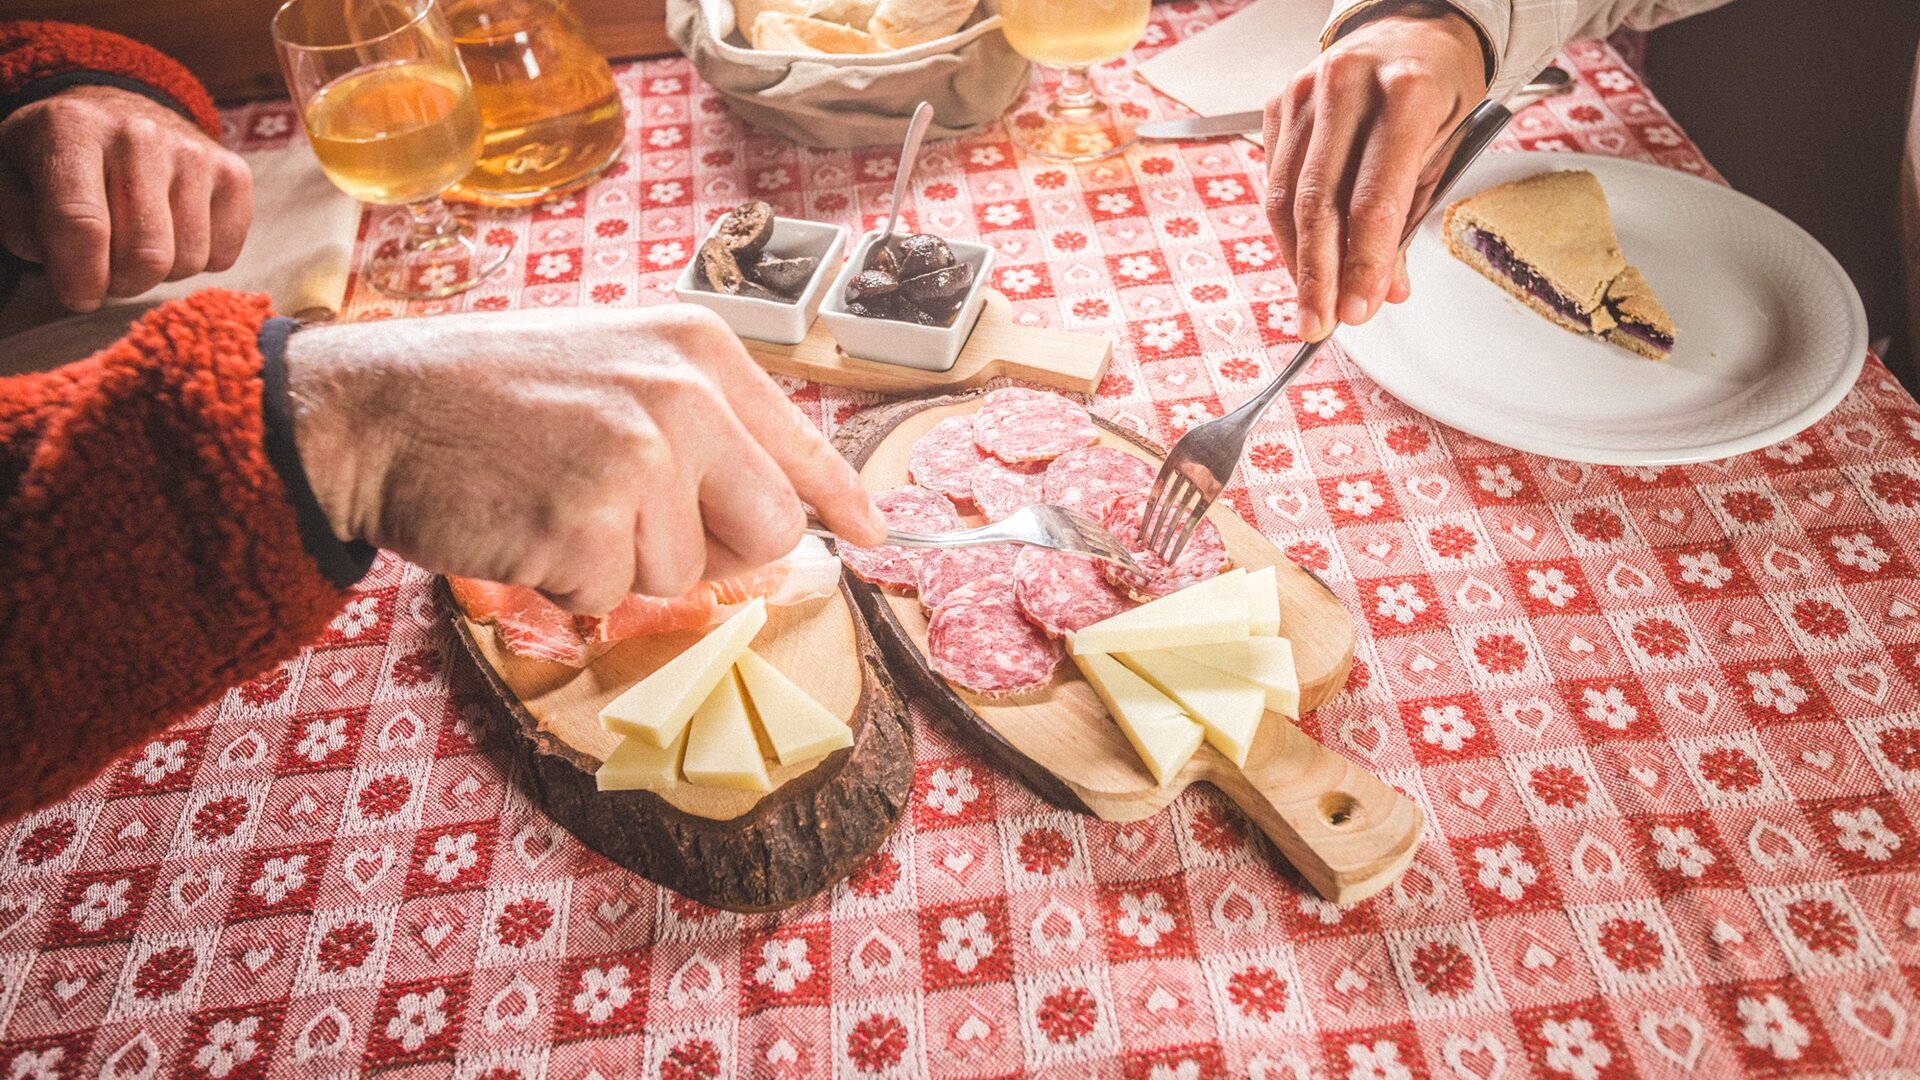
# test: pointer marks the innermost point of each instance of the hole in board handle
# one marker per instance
(1337, 808)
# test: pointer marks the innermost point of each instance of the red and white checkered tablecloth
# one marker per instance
(1665, 724)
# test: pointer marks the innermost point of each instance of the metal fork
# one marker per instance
(1052, 527)
(1203, 460)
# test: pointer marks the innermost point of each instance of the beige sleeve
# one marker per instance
(1521, 36)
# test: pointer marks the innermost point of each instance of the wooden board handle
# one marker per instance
(1347, 831)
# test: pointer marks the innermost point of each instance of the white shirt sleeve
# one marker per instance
(1523, 35)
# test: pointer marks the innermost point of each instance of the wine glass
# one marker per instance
(1073, 35)
(390, 114)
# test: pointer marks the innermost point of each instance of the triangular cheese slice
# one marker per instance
(721, 749)
(1263, 602)
(1214, 610)
(796, 727)
(1227, 707)
(635, 765)
(1160, 731)
(655, 709)
(1266, 662)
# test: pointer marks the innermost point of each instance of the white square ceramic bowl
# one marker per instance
(772, 320)
(890, 341)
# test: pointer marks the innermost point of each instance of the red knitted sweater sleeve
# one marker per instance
(149, 557)
(31, 51)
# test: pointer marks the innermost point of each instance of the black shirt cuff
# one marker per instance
(342, 562)
(41, 89)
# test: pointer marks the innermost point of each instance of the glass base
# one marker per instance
(448, 261)
(1076, 132)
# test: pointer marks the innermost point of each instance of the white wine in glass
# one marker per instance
(390, 114)
(1074, 35)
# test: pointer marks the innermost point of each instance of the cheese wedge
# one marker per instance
(656, 709)
(1227, 707)
(1213, 611)
(795, 726)
(1162, 734)
(1266, 662)
(635, 765)
(721, 749)
(1263, 603)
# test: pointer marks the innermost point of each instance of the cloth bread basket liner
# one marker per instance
(849, 100)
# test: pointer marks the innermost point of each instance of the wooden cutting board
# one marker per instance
(998, 348)
(743, 851)
(1346, 831)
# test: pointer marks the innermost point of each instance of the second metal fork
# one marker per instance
(1051, 527)
(1203, 460)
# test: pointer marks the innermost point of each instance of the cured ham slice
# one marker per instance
(532, 626)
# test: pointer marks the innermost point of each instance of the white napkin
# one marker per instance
(299, 252)
(1241, 61)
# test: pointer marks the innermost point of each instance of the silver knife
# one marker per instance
(1548, 83)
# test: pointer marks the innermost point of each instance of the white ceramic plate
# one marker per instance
(1770, 333)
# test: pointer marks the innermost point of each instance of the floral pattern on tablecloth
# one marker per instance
(1664, 723)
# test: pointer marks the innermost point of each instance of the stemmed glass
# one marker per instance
(1074, 35)
(390, 114)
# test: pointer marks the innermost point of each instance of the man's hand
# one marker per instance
(114, 193)
(588, 454)
(1345, 145)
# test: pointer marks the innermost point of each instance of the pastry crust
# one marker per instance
(777, 31)
(1556, 222)
(900, 24)
(1631, 299)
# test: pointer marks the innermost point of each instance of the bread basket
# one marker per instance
(859, 99)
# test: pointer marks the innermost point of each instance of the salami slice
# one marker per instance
(1205, 556)
(911, 509)
(1087, 479)
(1016, 424)
(945, 569)
(1061, 593)
(979, 639)
(999, 488)
(944, 458)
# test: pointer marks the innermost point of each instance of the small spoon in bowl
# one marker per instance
(909, 156)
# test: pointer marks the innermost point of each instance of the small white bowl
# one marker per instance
(890, 341)
(772, 320)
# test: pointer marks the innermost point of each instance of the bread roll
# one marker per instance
(901, 24)
(854, 13)
(779, 32)
(746, 11)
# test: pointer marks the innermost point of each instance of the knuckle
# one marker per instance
(1314, 204)
(81, 221)
(145, 262)
(1371, 206)
(1402, 78)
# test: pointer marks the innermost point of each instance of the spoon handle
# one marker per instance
(909, 153)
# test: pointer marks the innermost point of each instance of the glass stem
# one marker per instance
(433, 225)
(1076, 90)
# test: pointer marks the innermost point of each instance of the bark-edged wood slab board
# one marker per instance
(1346, 831)
(997, 348)
(741, 851)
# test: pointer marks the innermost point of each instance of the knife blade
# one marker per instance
(1202, 127)
(1549, 82)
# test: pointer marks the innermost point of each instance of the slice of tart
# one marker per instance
(1640, 323)
(1549, 240)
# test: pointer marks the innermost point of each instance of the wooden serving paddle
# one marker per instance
(997, 348)
(737, 850)
(1346, 831)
